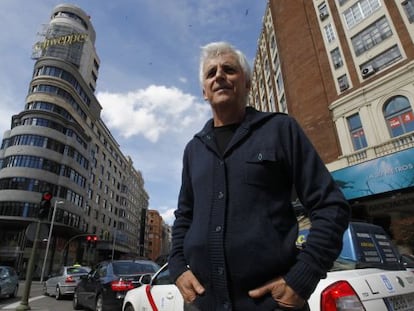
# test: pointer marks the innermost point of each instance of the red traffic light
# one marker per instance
(47, 196)
(45, 205)
(92, 238)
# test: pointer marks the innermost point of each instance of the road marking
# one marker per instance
(16, 304)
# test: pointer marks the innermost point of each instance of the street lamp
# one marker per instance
(49, 238)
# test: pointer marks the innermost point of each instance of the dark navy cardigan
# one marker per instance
(235, 227)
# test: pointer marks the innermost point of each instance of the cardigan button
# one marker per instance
(218, 228)
(220, 195)
(260, 157)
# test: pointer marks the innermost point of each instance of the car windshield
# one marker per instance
(76, 270)
(134, 267)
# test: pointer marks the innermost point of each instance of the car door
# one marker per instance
(5, 281)
(52, 281)
(163, 292)
(93, 285)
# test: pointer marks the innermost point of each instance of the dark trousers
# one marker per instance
(304, 308)
(191, 307)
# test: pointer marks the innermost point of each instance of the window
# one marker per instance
(408, 6)
(357, 132)
(359, 11)
(336, 58)
(279, 83)
(323, 11)
(329, 33)
(343, 83)
(399, 116)
(276, 62)
(383, 60)
(273, 42)
(371, 36)
(283, 106)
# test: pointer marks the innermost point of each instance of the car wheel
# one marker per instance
(14, 294)
(58, 294)
(129, 308)
(75, 302)
(99, 303)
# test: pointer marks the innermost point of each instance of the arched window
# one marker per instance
(399, 116)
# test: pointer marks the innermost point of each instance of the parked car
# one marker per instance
(159, 294)
(9, 282)
(104, 288)
(63, 283)
(408, 262)
(367, 276)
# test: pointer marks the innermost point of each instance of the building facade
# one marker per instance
(343, 69)
(158, 237)
(59, 143)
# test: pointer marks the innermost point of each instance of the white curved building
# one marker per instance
(59, 143)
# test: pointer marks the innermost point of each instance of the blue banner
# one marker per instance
(388, 173)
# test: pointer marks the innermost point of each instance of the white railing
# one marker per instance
(395, 144)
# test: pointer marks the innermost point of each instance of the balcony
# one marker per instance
(396, 144)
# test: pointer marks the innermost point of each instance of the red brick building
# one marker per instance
(343, 69)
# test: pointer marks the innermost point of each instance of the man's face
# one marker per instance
(224, 81)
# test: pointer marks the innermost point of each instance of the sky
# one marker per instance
(148, 82)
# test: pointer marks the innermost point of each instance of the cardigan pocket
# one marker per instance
(262, 168)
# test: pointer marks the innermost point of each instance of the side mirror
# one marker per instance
(145, 279)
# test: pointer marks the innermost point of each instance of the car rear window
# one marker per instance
(364, 245)
(76, 270)
(369, 246)
(134, 268)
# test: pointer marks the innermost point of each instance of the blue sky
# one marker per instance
(148, 79)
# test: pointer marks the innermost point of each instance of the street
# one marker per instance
(37, 301)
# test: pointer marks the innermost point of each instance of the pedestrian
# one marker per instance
(233, 238)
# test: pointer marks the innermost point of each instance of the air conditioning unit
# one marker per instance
(323, 15)
(343, 86)
(367, 71)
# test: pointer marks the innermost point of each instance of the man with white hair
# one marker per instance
(235, 228)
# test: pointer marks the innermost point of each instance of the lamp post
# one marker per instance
(49, 238)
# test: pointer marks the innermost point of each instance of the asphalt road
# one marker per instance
(37, 301)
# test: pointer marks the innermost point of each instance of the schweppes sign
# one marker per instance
(62, 40)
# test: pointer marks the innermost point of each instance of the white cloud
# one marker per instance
(167, 215)
(152, 112)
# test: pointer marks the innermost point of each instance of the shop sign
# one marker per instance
(389, 173)
(62, 40)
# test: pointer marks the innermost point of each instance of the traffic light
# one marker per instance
(91, 240)
(45, 204)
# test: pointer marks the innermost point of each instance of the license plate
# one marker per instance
(400, 302)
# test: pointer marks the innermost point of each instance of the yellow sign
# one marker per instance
(301, 239)
(63, 40)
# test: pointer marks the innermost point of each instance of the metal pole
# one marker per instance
(113, 245)
(49, 238)
(24, 303)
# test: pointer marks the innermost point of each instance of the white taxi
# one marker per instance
(367, 276)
